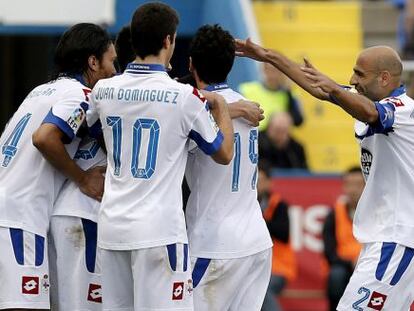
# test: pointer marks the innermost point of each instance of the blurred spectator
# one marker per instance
(273, 95)
(277, 146)
(341, 248)
(275, 212)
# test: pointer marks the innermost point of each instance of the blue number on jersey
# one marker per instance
(116, 124)
(89, 153)
(151, 156)
(236, 164)
(9, 148)
(154, 134)
(253, 156)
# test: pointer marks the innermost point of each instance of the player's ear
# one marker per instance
(167, 42)
(385, 78)
(93, 63)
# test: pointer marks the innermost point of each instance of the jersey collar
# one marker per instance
(216, 87)
(398, 91)
(144, 68)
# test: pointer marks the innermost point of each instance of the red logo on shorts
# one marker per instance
(377, 301)
(30, 285)
(95, 293)
(178, 291)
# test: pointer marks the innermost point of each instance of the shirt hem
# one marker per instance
(129, 246)
(230, 255)
(19, 225)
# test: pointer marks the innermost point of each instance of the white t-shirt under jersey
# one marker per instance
(386, 208)
(71, 201)
(147, 119)
(224, 218)
(28, 183)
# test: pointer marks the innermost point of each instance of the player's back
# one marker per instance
(146, 118)
(224, 218)
(28, 183)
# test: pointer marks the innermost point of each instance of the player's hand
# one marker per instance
(251, 112)
(320, 82)
(92, 184)
(246, 48)
(213, 99)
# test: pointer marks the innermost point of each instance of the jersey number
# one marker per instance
(253, 156)
(9, 149)
(141, 124)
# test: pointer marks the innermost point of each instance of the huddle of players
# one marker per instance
(154, 129)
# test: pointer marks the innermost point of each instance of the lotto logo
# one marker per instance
(377, 301)
(30, 285)
(178, 291)
(95, 293)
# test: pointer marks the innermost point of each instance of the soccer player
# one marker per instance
(383, 222)
(230, 245)
(49, 118)
(148, 120)
(74, 261)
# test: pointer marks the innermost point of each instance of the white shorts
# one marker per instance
(383, 279)
(157, 278)
(74, 265)
(24, 271)
(231, 284)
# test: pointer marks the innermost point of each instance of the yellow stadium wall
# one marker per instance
(329, 34)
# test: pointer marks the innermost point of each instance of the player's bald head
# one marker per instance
(382, 58)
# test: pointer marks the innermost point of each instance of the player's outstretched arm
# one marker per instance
(358, 106)
(248, 110)
(246, 48)
(219, 110)
(48, 140)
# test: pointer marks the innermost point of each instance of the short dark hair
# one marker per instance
(150, 25)
(212, 52)
(75, 47)
(123, 47)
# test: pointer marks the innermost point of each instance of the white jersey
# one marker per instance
(28, 183)
(71, 200)
(386, 208)
(224, 218)
(147, 119)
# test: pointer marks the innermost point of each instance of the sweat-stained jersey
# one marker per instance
(147, 120)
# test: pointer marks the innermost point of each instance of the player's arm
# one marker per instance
(358, 106)
(220, 112)
(48, 139)
(248, 110)
(246, 48)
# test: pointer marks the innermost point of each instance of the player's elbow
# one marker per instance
(39, 140)
(224, 155)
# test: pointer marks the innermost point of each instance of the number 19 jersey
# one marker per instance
(147, 119)
(224, 218)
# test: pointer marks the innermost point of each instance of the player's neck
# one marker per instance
(150, 59)
(201, 85)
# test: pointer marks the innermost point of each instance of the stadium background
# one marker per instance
(329, 33)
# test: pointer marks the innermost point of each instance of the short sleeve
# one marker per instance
(69, 113)
(386, 117)
(204, 130)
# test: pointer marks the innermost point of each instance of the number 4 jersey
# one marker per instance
(147, 119)
(28, 183)
(224, 218)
